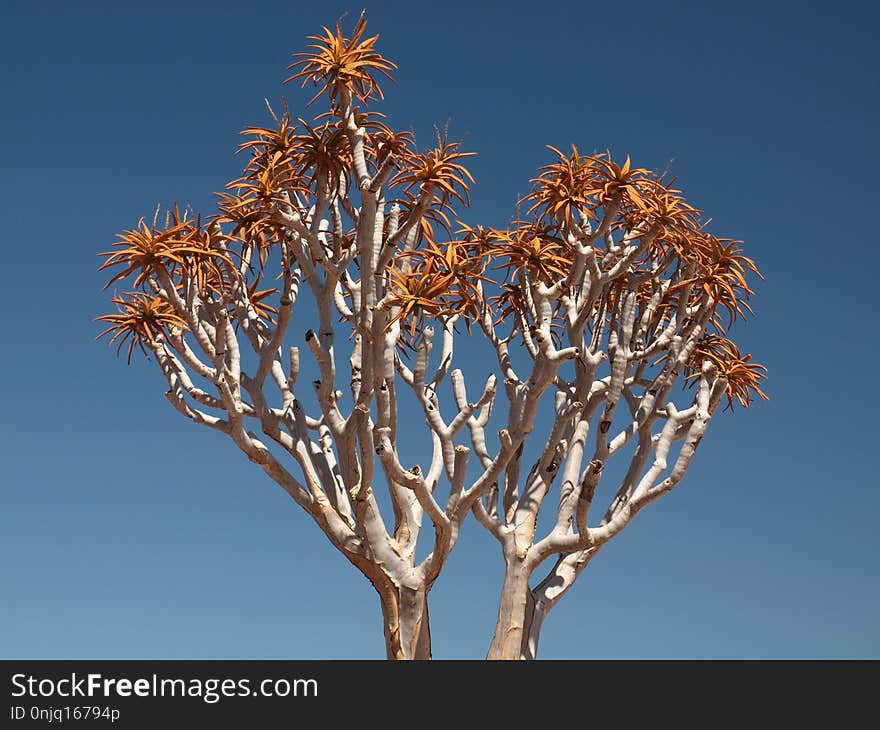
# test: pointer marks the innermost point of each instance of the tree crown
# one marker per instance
(608, 267)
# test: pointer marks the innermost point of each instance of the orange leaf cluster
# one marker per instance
(182, 244)
(453, 270)
(339, 62)
(571, 190)
(531, 252)
(418, 293)
(437, 169)
(743, 376)
(141, 319)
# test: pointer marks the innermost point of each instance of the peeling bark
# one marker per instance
(514, 613)
(406, 624)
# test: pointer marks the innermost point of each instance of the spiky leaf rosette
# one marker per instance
(338, 62)
(532, 251)
(141, 320)
(743, 376)
(438, 170)
(417, 294)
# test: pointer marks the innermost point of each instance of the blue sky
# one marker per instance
(128, 532)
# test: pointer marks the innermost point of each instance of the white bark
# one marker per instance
(223, 370)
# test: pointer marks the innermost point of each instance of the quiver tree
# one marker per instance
(603, 300)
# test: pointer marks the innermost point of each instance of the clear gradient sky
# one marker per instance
(128, 532)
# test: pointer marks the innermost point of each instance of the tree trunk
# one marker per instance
(515, 615)
(535, 616)
(407, 628)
